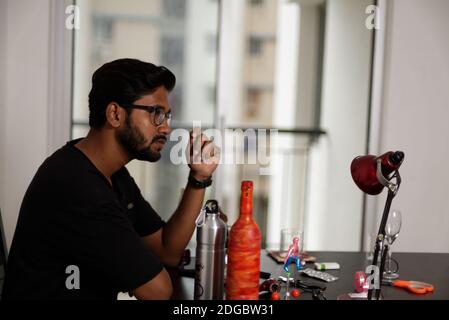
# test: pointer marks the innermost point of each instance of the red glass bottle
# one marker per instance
(244, 244)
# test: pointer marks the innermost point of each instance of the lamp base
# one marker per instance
(355, 296)
(389, 276)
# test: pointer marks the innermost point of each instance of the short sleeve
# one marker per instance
(145, 219)
(107, 246)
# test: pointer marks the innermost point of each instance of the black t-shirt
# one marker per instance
(71, 216)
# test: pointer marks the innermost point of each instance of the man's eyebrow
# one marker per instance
(159, 106)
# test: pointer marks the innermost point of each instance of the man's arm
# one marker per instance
(158, 288)
(169, 242)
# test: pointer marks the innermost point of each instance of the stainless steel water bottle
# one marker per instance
(210, 253)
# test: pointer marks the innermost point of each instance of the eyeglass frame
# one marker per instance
(150, 110)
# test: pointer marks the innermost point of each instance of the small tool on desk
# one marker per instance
(416, 287)
(316, 289)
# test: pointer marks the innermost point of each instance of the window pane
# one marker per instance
(256, 79)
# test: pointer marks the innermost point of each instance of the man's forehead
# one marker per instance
(158, 97)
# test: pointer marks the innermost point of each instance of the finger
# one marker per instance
(199, 142)
(212, 150)
(195, 147)
(210, 153)
(198, 138)
(207, 148)
(196, 132)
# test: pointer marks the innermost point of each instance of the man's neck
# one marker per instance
(104, 152)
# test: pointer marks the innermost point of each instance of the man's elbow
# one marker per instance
(167, 292)
(158, 288)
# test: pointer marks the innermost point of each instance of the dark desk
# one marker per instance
(426, 267)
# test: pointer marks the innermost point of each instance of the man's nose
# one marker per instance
(164, 128)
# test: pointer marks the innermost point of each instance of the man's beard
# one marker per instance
(134, 143)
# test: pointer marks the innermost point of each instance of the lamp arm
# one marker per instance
(380, 241)
(382, 268)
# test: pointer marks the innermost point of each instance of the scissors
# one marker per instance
(413, 286)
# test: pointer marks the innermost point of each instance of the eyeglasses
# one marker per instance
(159, 114)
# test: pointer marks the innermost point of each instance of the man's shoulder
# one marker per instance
(65, 160)
(69, 168)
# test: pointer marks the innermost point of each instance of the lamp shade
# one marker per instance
(364, 170)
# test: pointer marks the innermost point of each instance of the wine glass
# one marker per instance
(392, 229)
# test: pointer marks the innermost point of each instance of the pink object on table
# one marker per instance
(360, 284)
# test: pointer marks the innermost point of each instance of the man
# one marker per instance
(84, 230)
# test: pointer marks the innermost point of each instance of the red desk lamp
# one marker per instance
(371, 174)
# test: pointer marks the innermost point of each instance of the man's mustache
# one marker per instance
(161, 137)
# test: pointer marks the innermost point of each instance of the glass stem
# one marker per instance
(389, 260)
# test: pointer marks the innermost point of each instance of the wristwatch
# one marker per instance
(199, 184)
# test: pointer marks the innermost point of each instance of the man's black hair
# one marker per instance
(124, 81)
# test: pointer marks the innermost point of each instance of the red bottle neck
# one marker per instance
(246, 204)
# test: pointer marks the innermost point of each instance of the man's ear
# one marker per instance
(115, 115)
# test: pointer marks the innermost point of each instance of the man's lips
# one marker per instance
(161, 140)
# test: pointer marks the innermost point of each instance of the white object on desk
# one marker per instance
(327, 266)
(319, 275)
(358, 295)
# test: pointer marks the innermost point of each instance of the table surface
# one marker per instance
(432, 268)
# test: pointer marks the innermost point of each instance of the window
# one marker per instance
(255, 46)
(256, 3)
(172, 50)
(102, 28)
(103, 35)
(174, 8)
(254, 99)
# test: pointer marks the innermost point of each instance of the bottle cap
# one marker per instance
(247, 185)
(211, 206)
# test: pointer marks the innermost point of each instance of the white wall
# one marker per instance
(24, 116)
(415, 119)
(28, 129)
(334, 204)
